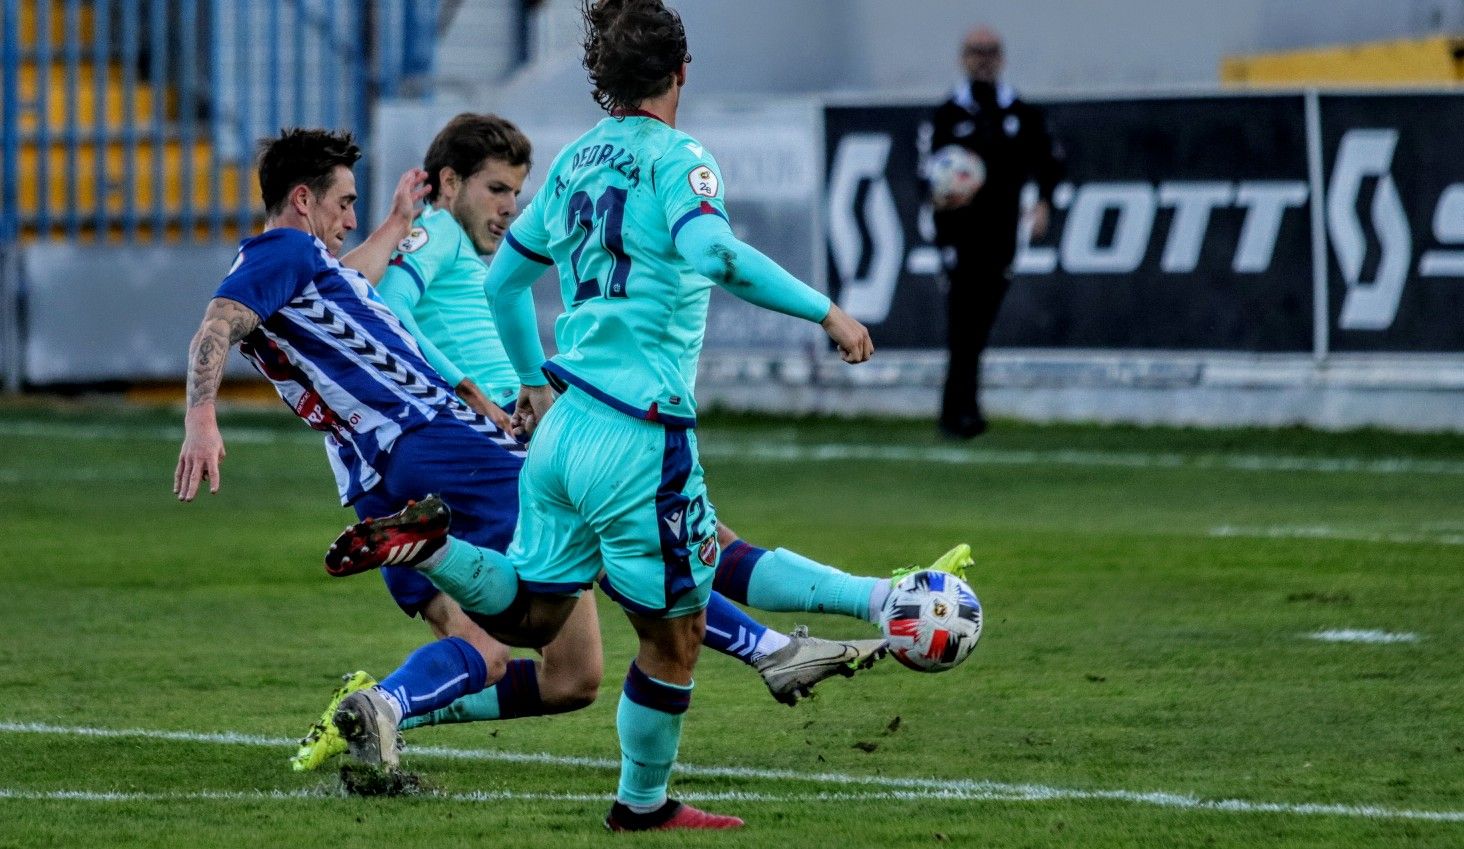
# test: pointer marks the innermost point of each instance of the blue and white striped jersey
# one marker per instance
(336, 354)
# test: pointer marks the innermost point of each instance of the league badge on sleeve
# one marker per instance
(414, 240)
(703, 181)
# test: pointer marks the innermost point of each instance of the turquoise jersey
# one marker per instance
(434, 283)
(635, 311)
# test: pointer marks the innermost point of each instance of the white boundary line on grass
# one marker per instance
(893, 789)
(1359, 635)
(1328, 532)
(147, 433)
(731, 450)
(736, 449)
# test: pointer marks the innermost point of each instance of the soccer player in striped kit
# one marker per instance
(393, 429)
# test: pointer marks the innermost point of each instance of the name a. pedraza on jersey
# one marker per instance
(610, 156)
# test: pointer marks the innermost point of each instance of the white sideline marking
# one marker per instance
(1355, 635)
(75, 475)
(893, 789)
(151, 433)
(732, 449)
(155, 474)
(1329, 532)
(1163, 800)
(1112, 459)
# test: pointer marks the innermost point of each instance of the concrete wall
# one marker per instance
(757, 47)
(479, 47)
(1420, 393)
(1058, 45)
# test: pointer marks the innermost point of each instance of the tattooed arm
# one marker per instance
(225, 323)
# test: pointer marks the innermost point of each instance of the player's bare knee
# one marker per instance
(569, 689)
(725, 535)
(447, 619)
(495, 654)
(681, 654)
(669, 647)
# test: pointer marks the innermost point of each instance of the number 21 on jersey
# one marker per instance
(601, 220)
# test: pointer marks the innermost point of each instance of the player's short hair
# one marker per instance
(468, 142)
(301, 156)
(632, 47)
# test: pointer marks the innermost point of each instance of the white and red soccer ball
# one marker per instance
(955, 173)
(932, 621)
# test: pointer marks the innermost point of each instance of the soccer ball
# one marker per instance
(955, 173)
(932, 621)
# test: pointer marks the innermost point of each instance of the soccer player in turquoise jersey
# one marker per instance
(434, 283)
(476, 165)
(632, 217)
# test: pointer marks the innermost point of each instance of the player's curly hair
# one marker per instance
(632, 48)
(298, 156)
(467, 143)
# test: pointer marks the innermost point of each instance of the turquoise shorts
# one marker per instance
(602, 489)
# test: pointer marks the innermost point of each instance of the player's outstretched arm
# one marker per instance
(371, 256)
(509, 289)
(401, 295)
(224, 323)
(707, 242)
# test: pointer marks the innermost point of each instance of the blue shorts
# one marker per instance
(475, 476)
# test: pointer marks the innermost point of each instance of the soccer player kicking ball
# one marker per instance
(476, 166)
(632, 218)
(346, 366)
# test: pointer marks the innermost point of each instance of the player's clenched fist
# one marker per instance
(851, 337)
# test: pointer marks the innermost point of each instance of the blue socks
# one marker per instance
(435, 675)
(515, 694)
(783, 580)
(649, 724)
(730, 630)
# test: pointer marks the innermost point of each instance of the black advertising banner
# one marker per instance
(1394, 202)
(1184, 224)
(876, 213)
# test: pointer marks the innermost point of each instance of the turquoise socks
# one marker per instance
(783, 580)
(649, 724)
(479, 579)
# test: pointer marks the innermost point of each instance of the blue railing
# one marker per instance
(139, 119)
(9, 121)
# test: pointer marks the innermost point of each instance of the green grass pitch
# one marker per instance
(1149, 674)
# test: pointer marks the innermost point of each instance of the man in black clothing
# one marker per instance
(978, 233)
